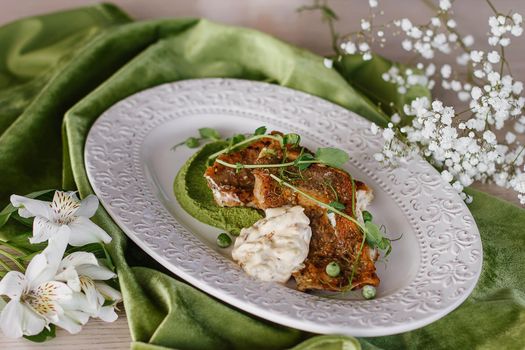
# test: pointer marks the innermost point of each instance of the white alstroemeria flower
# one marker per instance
(66, 210)
(35, 296)
(83, 273)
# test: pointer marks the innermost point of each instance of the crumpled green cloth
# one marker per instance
(59, 72)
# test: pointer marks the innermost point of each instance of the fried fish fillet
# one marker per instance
(334, 238)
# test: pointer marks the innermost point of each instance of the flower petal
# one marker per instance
(32, 207)
(32, 323)
(11, 319)
(88, 206)
(70, 276)
(93, 298)
(69, 324)
(13, 284)
(17, 320)
(43, 267)
(77, 301)
(108, 292)
(79, 258)
(35, 270)
(64, 205)
(43, 229)
(95, 272)
(107, 314)
(84, 231)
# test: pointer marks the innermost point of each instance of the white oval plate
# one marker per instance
(431, 270)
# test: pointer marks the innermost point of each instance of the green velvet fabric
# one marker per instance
(59, 72)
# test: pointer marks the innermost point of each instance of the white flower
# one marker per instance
(468, 40)
(406, 25)
(82, 272)
(64, 211)
(363, 47)
(365, 25)
(328, 63)
(476, 93)
(446, 71)
(444, 5)
(510, 137)
(493, 57)
(367, 56)
(476, 56)
(447, 176)
(349, 47)
(35, 296)
(388, 134)
(374, 129)
(395, 118)
(406, 44)
(372, 3)
(489, 136)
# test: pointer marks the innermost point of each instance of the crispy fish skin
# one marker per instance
(342, 243)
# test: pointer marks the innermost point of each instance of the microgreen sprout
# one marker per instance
(205, 134)
(337, 205)
(329, 156)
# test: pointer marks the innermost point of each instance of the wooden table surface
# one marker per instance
(279, 19)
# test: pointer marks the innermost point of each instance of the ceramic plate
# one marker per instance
(431, 270)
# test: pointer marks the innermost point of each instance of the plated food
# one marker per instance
(315, 227)
(432, 268)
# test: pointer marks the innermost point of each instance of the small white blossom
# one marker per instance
(468, 40)
(493, 57)
(365, 25)
(372, 3)
(328, 63)
(349, 47)
(451, 23)
(444, 5)
(476, 56)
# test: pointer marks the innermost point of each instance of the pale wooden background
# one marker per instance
(278, 18)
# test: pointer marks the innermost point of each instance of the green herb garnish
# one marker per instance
(261, 130)
(337, 205)
(209, 134)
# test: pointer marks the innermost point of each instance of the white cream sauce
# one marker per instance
(276, 246)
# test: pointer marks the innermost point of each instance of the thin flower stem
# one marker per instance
(492, 7)
(247, 141)
(13, 259)
(519, 154)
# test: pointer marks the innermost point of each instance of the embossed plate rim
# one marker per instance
(113, 147)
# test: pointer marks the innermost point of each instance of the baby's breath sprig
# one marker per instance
(468, 145)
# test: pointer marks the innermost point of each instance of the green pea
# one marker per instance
(367, 216)
(223, 240)
(192, 142)
(369, 292)
(333, 269)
